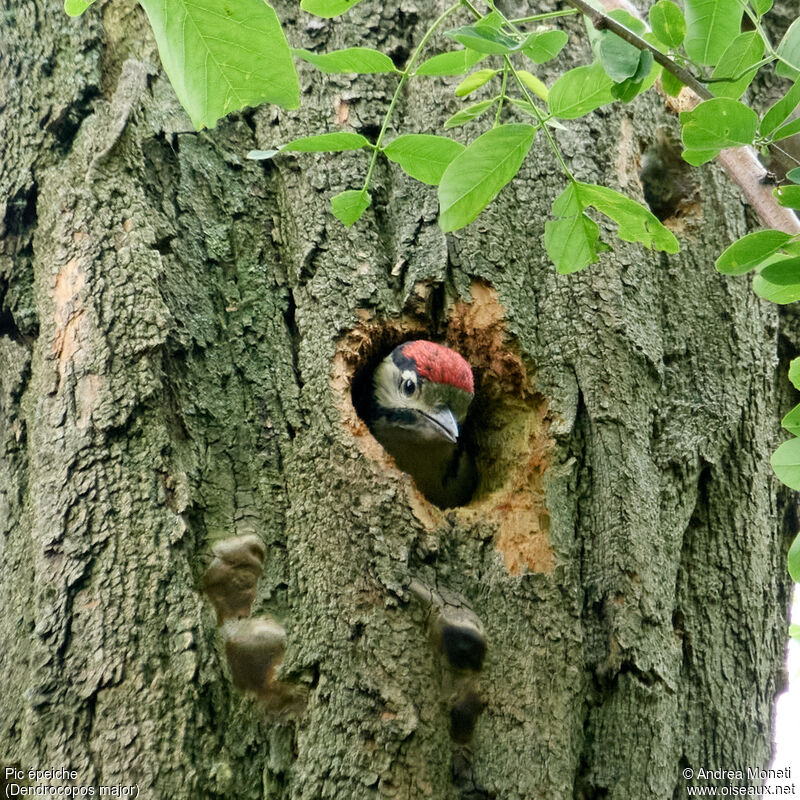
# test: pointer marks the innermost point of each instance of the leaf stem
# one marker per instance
(752, 68)
(403, 78)
(540, 118)
(759, 29)
(474, 11)
(502, 96)
(567, 12)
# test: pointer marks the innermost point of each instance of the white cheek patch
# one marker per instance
(409, 400)
(388, 384)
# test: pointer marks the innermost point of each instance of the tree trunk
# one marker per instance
(182, 333)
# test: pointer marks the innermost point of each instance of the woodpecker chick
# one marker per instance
(420, 396)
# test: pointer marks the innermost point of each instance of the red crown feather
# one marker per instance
(440, 364)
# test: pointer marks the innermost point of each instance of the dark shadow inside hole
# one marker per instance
(361, 395)
(668, 182)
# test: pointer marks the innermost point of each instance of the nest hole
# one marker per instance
(506, 430)
(668, 182)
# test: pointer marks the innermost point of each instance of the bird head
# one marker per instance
(422, 390)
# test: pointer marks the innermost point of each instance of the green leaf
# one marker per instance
(792, 247)
(711, 25)
(327, 8)
(780, 293)
(648, 71)
(667, 22)
(644, 78)
(716, 124)
(325, 143)
(629, 21)
(469, 113)
(652, 39)
(533, 83)
(794, 175)
(74, 8)
(544, 45)
(572, 243)
(456, 62)
(670, 84)
(785, 131)
(493, 20)
(529, 109)
(321, 143)
(781, 110)
(792, 421)
(786, 463)
(782, 272)
(794, 373)
(214, 55)
(749, 251)
(794, 569)
(348, 206)
(698, 157)
(474, 178)
(579, 91)
(744, 51)
(619, 59)
(422, 156)
(636, 223)
(359, 60)
(627, 90)
(572, 240)
(787, 196)
(789, 51)
(484, 39)
(761, 6)
(474, 81)
(794, 630)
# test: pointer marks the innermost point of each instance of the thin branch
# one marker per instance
(741, 163)
(746, 171)
(604, 22)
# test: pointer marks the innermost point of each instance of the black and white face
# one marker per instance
(431, 411)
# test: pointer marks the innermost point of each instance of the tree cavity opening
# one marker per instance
(507, 428)
(668, 182)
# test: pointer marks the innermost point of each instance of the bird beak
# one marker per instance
(444, 424)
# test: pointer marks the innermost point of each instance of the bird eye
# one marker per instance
(409, 387)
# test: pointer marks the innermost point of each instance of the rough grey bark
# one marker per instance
(180, 331)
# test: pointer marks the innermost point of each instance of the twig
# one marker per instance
(740, 163)
(604, 22)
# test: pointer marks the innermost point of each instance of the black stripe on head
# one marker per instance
(395, 416)
(402, 361)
